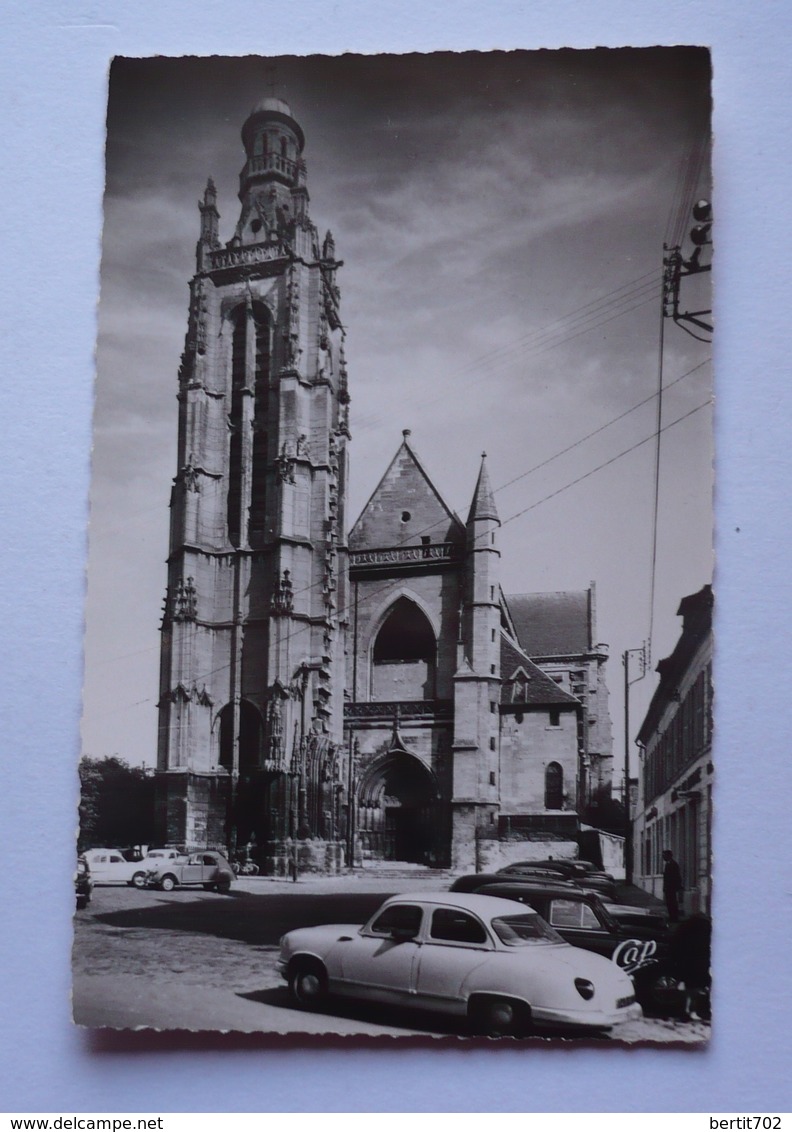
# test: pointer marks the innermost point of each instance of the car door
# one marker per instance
(99, 867)
(192, 871)
(212, 870)
(455, 943)
(118, 868)
(379, 961)
(578, 923)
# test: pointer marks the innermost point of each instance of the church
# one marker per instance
(342, 692)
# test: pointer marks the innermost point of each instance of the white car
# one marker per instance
(109, 866)
(491, 960)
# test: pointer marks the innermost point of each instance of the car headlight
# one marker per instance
(585, 988)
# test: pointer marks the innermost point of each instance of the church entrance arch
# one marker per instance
(397, 810)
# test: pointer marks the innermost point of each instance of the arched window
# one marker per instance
(258, 478)
(260, 327)
(238, 367)
(554, 787)
(251, 733)
(403, 660)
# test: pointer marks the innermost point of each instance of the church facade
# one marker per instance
(331, 697)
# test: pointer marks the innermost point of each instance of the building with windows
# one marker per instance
(558, 631)
(674, 806)
(374, 696)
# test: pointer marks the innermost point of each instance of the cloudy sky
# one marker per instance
(501, 219)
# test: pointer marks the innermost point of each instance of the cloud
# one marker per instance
(482, 204)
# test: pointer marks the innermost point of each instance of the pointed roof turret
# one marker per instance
(483, 505)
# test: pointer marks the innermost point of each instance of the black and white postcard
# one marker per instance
(398, 685)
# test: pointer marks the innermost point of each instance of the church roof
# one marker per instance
(404, 508)
(525, 683)
(483, 505)
(552, 624)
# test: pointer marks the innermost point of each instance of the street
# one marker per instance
(195, 960)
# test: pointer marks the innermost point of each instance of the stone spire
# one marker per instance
(483, 505)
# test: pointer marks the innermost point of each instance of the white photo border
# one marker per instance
(56, 56)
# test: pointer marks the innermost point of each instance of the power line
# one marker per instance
(646, 294)
(605, 464)
(489, 362)
(502, 487)
(649, 278)
(596, 431)
(546, 498)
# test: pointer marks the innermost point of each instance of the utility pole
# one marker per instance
(642, 655)
(676, 268)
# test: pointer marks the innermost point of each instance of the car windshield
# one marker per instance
(517, 931)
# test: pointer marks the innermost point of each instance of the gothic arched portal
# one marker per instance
(398, 810)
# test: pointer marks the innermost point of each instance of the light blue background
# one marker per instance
(55, 57)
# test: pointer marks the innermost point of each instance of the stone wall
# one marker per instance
(529, 741)
(278, 858)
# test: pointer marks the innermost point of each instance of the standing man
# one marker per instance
(672, 885)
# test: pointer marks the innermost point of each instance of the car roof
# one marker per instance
(560, 890)
(485, 906)
(508, 870)
(529, 878)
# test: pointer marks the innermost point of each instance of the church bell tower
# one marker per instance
(251, 685)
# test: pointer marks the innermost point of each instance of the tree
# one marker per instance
(116, 803)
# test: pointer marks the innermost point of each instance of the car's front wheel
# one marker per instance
(138, 880)
(168, 883)
(307, 983)
(495, 1017)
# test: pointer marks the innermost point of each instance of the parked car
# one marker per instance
(584, 921)
(163, 854)
(83, 883)
(208, 868)
(491, 961)
(108, 866)
(524, 868)
(598, 884)
(652, 916)
(568, 867)
(472, 882)
(587, 877)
